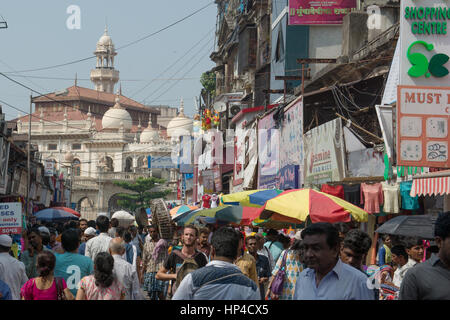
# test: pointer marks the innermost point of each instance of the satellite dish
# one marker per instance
(220, 106)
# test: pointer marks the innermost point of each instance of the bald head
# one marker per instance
(117, 246)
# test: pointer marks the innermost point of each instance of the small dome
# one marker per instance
(116, 117)
(68, 156)
(180, 125)
(149, 135)
(105, 41)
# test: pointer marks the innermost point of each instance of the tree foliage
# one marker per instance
(143, 193)
(208, 81)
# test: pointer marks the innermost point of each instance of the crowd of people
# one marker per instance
(101, 260)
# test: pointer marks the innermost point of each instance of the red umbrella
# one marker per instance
(68, 210)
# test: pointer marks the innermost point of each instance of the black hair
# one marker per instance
(204, 231)
(225, 242)
(35, 230)
(399, 251)
(410, 242)
(114, 222)
(120, 231)
(102, 223)
(45, 264)
(70, 225)
(127, 237)
(250, 238)
(70, 240)
(92, 224)
(442, 226)
(325, 228)
(103, 273)
(4, 249)
(272, 232)
(45, 238)
(82, 219)
(342, 227)
(191, 226)
(283, 239)
(384, 236)
(358, 241)
(297, 245)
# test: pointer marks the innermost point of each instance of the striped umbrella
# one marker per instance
(294, 206)
(239, 198)
(181, 209)
(260, 197)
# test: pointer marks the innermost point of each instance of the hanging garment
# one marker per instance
(372, 197)
(392, 198)
(408, 202)
(352, 194)
(337, 191)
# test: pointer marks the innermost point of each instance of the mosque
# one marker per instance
(98, 136)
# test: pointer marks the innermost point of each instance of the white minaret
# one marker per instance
(104, 76)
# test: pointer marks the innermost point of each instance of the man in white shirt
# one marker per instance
(403, 262)
(12, 271)
(124, 271)
(101, 242)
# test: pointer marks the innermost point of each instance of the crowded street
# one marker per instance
(297, 151)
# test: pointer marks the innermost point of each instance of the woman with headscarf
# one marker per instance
(102, 285)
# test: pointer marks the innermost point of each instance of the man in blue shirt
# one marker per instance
(71, 265)
(5, 292)
(327, 277)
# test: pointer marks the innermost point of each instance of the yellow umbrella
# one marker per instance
(296, 205)
(239, 198)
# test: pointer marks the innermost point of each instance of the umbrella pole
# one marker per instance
(372, 258)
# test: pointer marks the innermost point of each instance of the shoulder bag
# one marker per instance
(277, 283)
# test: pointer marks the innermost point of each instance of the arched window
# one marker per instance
(128, 165)
(76, 167)
(109, 164)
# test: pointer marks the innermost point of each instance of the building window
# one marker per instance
(76, 146)
(279, 49)
(52, 147)
(76, 167)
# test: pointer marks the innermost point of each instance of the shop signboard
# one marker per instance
(161, 162)
(11, 218)
(217, 178)
(49, 168)
(4, 158)
(324, 153)
(288, 177)
(268, 152)
(423, 94)
(319, 12)
(291, 139)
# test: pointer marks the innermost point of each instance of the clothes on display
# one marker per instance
(372, 197)
(206, 201)
(352, 194)
(408, 202)
(392, 198)
(337, 191)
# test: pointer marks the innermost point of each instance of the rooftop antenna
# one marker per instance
(3, 24)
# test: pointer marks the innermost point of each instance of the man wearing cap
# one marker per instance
(89, 233)
(12, 271)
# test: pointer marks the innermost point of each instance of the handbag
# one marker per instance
(277, 283)
(59, 289)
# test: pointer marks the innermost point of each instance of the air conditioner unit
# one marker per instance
(234, 110)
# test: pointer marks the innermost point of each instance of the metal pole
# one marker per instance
(27, 211)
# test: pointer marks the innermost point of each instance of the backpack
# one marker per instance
(189, 265)
(129, 252)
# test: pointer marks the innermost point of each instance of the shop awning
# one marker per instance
(437, 183)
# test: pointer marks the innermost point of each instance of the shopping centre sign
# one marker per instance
(423, 94)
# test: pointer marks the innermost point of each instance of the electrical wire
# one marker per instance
(121, 47)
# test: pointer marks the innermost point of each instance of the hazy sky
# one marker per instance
(37, 36)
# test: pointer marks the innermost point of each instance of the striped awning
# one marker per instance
(437, 183)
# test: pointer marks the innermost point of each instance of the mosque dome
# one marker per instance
(149, 135)
(180, 125)
(105, 40)
(117, 116)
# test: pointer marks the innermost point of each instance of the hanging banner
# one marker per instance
(217, 178)
(319, 12)
(288, 178)
(291, 140)
(324, 153)
(11, 218)
(268, 152)
(49, 168)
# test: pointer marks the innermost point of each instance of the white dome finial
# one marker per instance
(181, 107)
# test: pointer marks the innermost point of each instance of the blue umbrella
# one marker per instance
(262, 196)
(177, 217)
(52, 214)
